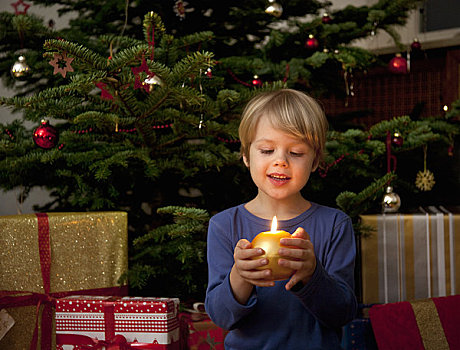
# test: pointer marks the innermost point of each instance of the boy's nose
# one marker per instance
(281, 161)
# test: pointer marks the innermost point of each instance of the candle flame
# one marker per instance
(274, 224)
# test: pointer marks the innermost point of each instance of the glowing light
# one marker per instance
(445, 108)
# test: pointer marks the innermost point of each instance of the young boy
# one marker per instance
(282, 137)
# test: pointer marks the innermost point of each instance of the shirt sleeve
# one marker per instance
(222, 307)
(329, 294)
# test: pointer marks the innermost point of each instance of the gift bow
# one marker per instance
(118, 342)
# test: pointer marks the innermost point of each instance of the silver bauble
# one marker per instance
(391, 201)
(274, 9)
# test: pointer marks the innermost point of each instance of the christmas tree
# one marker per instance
(142, 115)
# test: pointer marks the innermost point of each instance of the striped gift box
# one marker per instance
(410, 256)
(137, 319)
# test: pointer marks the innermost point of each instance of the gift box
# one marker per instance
(411, 256)
(198, 332)
(418, 325)
(141, 323)
(45, 256)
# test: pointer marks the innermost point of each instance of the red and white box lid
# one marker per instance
(137, 319)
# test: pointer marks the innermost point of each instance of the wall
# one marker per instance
(9, 205)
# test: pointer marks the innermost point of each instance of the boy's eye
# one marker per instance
(296, 154)
(266, 151)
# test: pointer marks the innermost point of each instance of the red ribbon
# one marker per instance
(117, 342)
(391, 159)
(9, 299)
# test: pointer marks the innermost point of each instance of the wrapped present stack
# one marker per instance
(92, 322)
(48, 256)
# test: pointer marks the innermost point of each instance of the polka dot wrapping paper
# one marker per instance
(139, 320)
(50, 254)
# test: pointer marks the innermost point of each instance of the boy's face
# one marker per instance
(280, 164)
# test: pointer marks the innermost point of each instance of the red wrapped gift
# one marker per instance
(422, 324)
(90, 322)
(198, 332)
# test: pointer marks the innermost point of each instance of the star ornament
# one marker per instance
(139, 83)
(20, 7)
(61, 63)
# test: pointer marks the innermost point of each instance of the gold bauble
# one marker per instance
(269, 241)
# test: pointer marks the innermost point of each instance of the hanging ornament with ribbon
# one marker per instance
(391, 201)
(425, 179)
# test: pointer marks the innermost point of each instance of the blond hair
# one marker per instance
(290, 111)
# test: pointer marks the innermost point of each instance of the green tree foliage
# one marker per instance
(148, 119)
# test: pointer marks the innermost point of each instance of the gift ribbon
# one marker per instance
(429, 325)
(9, 299)
(117, 342)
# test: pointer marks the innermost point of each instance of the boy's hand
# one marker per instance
(303, 255)
(245, 266)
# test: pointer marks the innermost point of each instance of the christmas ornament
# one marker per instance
(397, 140)
(180, 9)
(153, 81)
(61, 63)
(45, 136)
(425, 179)
(138, 82)
(398, 64)
(391, 201)
(326, 19)
(311, 43)
(274, 8)
(20, 7)
(416, 45)
(20, 68)
(269, 241)
(256, 81)
(105, 94)
(208, 72)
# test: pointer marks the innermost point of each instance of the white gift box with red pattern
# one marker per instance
(98, 320)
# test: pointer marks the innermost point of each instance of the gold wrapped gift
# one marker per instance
(86, 251)
(409, 257)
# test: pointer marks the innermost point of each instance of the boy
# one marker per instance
(283, 136)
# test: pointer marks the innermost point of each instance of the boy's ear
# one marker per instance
(246, 161)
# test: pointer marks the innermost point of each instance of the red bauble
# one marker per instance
(397, 140)
(326, 18)
(311, 43)
(398, 64)
(416, 45)
(256, 81)
(46, 136)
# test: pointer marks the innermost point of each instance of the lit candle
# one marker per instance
(269, 241)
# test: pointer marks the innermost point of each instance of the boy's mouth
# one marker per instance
(278, 177)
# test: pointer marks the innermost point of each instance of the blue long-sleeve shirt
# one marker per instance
(273, 318)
